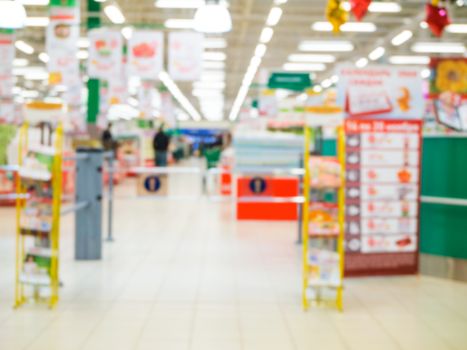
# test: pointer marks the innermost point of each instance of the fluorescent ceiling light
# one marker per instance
(423, 25)
(457, 28)
(20, 62)
(24, 47)
(127, 32)
(362, 27)
(381, 7)
(402, 37)
(32, 73)
(362, 62)
(213, 17)
(266, 35)
(334, 79)
(260, 50)
(44, 57)
(12, 15)
(438, 47)
(37, 21)
(326, 83)
(314, 58)
(214, 56)
(209, 85)
(214, 64)
(174, 23)
(207, 93)
(317, 88)
(326, 46)
(215, 43)
(83, 43)
(179, 4)
(34, 2)
(377, 53)
(279, 2)
(113, 12)
(82, 55)
(178, 95)
(409, 60)
(30, 94)
(274, 16)
(425, 73)
(212, 76)
(304, 67)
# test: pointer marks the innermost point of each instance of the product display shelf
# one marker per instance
(323, 225)
(38, 220)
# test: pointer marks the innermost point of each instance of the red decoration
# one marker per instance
(359, 8)
(437, 18)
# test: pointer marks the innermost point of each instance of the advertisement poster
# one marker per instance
(146, 54)
(380, 91)
(185, 55)
(61, 45)
(7, 55)
(149, 100)
(382, 196)
(448, 89)
(105, 54)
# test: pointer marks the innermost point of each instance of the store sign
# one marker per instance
(146, 54)
(61, 45)
(289, 81)
(7, 55)
(151, 185)
(105, 54)
(448, 89)
(258, 185)
(380, 92)
(382, 196)
(185, 55)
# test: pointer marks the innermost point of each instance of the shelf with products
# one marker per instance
(323, 227)
(39, 189)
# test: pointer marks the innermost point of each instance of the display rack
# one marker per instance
(38, 218)
(323, 224)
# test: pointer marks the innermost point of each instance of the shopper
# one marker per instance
(108, 142)
(161, 145)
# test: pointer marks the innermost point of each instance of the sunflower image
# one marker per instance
(452, 76)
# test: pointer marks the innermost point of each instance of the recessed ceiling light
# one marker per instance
(304, 67)
(401, 38)
(438, 47)
(377, 53)
(409, 60)
(326, 46)
(363, 27)
(175, 23)
(315, 58)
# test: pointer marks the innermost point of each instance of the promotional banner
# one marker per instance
(382, 196)
(146, 54)
(105, 54)
(168, 109)
(185, 55)
(149, 100)
(380, 91)
(448, 89)
(61, 45)
(7, 55)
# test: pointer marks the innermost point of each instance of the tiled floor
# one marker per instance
(183, 275)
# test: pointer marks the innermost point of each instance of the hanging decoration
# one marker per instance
(359, 8)
(336, 14)
(437, 17)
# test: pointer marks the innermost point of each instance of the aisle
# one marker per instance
(183, 275)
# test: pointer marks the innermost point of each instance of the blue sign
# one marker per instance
(152, 183)
(258, 185)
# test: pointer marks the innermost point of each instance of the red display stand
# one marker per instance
(271, 187)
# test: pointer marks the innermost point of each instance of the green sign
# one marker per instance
(289, 81)
(64, 3)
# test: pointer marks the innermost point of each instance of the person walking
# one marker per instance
(161, 145)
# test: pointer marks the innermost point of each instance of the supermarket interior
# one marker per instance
(233, 174)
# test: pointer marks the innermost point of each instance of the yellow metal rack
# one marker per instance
(52, 235)
(338, 239)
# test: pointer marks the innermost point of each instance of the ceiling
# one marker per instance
(249, 17)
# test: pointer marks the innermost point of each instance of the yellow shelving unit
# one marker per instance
(27, 238)
(336, 240)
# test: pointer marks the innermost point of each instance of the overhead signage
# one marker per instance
(146, 54)
(185, 55)
(105, 54)
(382, 196)
(289, 81)
(380, 92)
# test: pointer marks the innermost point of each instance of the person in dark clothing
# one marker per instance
(108, 142)
(161, 145)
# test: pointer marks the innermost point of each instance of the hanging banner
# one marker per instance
(105, 54)
(7, 55)
(168, 109)
(146, 54)
(448, 89)
(61, 45)
(382, 196)
(149, 100)
(185, 55)
(380, 92)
